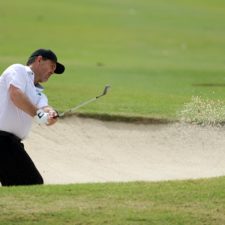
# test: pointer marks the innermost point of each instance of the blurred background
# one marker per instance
(156, 55)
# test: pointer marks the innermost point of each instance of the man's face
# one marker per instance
(45, 69)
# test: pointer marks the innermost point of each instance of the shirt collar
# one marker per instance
(39, 87)
(29, 71)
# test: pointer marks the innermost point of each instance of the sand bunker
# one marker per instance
(77, 150)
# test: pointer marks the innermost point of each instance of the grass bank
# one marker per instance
(177, 202)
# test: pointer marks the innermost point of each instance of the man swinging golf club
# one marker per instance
(21, 100)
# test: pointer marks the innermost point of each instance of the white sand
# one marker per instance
(79, 150)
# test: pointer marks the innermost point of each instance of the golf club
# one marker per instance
(84, 103)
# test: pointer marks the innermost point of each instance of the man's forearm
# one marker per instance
(22, 101)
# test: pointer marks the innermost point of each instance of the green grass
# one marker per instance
(153, 53)
(175, 202)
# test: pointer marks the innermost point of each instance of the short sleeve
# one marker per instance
(43, 100)
(16, 78)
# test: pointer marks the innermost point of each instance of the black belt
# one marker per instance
(7, 134)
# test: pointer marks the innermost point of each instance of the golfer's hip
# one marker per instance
(8, 134)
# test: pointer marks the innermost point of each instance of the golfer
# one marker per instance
(21, 102)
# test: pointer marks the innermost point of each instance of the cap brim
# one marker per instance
(59, 68)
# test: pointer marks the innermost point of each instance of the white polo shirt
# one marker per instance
(13, 119)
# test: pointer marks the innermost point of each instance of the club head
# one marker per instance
(106, 89)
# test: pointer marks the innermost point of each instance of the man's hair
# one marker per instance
(31, 60)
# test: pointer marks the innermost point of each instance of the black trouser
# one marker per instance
(16, 167)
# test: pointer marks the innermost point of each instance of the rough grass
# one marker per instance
(178, 202)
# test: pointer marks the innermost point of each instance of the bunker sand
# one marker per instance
(78, 150)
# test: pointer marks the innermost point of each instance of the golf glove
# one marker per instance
(41, 117)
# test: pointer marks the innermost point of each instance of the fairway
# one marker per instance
(156, 55)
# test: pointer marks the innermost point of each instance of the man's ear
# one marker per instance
(38, 59)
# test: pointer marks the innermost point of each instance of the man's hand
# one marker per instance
(46, 116)
(52, 116)
(42, 117)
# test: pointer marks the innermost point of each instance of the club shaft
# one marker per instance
(78, 106)
(84, 103)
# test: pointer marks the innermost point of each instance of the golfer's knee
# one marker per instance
(34, 180)
(39, 180)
